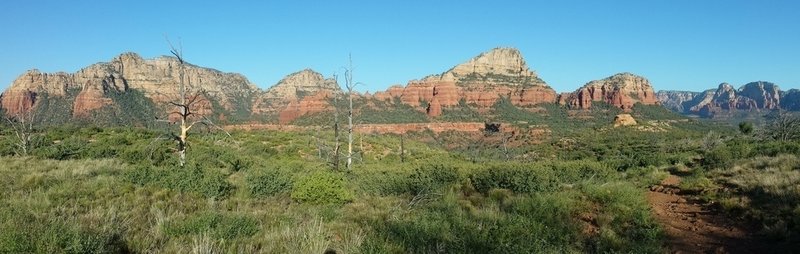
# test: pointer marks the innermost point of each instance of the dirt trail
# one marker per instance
(692, 226)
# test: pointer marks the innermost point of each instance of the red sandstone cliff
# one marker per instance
(481, 81)
(621, 90)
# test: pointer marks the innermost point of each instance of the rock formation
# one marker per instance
(481, 81)
(621, 90)
(156, 78)
(297, 94)
(765, 94)
(791, 100)
(478, 84)
(675, 100)
(751, 97)
(624, 120)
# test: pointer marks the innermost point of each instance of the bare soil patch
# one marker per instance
(692, 226)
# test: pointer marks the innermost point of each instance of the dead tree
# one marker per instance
(336, 144)
(782, 126)
(505, 146)
(350, 85)
(402, 149)
(318, 143)
(22, 125)
(186, 106)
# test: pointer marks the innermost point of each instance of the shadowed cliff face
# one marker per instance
(675, 100)
(622, 90)
(751, 97)
(790, 100)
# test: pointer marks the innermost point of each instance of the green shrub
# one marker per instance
(429, 178)
(446, 226)
(69, 148)
(514, 177)
(269, 182)
(221, 226)
(383, 182)
(192, 178)
(322, 187)
(626, 225)
(720, 157)
(26, 233)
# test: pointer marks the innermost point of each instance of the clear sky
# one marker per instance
(677, 44)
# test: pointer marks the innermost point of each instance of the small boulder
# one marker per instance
(624, 120)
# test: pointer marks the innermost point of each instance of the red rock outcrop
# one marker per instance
(17, 102)
(87, 101)
(156, 78)
(394, 91)
(297, 94)
(621, 90)
(318, 102)
(481, 81)
(22, 95)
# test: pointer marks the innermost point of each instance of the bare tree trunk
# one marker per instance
(184, 110)
(350, 132)
(505, 146)
(350, 85)
(402, 149)
(319, 144)
(185, 106)
(336, 132)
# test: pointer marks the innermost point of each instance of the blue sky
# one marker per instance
(677, 44)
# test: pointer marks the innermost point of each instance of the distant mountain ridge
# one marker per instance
(725, 99)
(111, 91)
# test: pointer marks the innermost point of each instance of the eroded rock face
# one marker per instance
(766, 95)
(481, 81)
(622, 90)
(157, 79)
(318, 102)
(791, 100)
(297, 94)
(496, 64)
(675, 100)
(394, 91)
(753, 96)
(89, 100)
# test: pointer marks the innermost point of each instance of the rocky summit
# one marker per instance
(295, 95)
(622, 90)
(725, 99)
(481, 81)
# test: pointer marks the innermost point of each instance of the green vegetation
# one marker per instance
(367, 111)
(581, 189)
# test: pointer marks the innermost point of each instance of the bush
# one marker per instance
(192, 178)
(322, 187)
(26, 233)
(69, 148)
(513, 177)
(719, 157)
(540, 225)
(269, 182)
(428, 178)
(220, 226)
